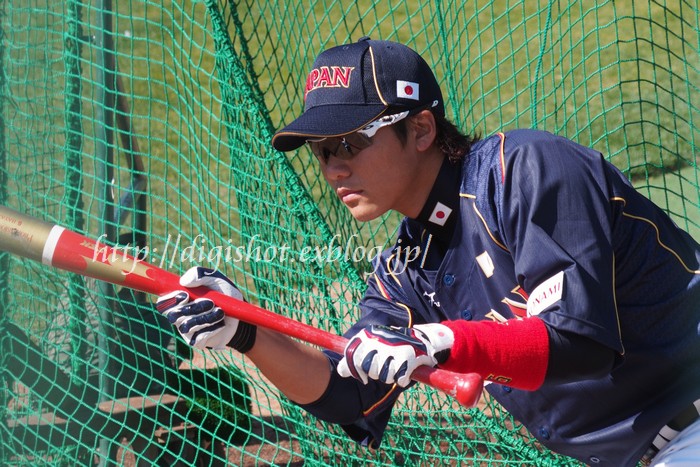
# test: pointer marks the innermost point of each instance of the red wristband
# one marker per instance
(514, 353)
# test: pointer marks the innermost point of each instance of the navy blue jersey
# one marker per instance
(541, 226)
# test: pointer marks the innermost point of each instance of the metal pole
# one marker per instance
(4, 256)
(104, 40)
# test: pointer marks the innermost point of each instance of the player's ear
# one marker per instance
(424, 129)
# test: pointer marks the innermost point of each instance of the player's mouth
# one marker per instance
(346, 195)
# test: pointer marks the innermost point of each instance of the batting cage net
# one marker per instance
(147, 125)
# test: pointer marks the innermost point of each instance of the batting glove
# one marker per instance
(391, 354)
(200, 322)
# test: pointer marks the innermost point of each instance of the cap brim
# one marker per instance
(323, 122)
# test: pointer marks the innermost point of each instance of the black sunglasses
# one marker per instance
(347, 146)
(343, 147)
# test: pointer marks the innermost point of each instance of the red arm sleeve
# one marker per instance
(515, 353)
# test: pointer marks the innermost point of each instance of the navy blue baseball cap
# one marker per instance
(351, 85)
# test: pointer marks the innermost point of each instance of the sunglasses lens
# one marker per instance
(344, 148)
(324, 149)
(358, 141)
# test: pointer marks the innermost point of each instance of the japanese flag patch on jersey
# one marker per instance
(440, 214)
(546, 294)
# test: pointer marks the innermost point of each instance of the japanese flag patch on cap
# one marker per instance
(440, 214)
(407, 90)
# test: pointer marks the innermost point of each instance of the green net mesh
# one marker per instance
(149, 123)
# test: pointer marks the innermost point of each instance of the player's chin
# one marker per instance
(364, 213)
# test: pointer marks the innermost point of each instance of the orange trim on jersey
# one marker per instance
(385, 294)
(393, 276)
(617, 315)
(658, 237)
(661, 244)
(380, 401)
(382, 289)
(388, 268)
(501, 245)
(503, 157)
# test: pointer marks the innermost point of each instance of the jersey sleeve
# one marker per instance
(557, 222)
(363, 411)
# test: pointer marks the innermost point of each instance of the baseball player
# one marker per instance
(540, 268)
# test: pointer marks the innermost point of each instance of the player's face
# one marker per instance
(384, 175)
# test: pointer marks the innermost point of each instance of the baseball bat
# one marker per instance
(64, 249)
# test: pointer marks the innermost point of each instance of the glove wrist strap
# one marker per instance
(244, 338)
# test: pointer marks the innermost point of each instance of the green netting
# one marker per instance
(150, 122)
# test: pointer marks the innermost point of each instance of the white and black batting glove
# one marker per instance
(200, 322)
(391, 354)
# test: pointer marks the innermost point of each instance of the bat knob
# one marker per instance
(468, 389)
(465, 387)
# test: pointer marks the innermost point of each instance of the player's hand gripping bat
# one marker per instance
(64, 249)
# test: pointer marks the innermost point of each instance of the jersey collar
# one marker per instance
(441, 210)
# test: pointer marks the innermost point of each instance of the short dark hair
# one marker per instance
(451, 140)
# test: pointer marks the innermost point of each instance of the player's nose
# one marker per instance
(335, 169)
